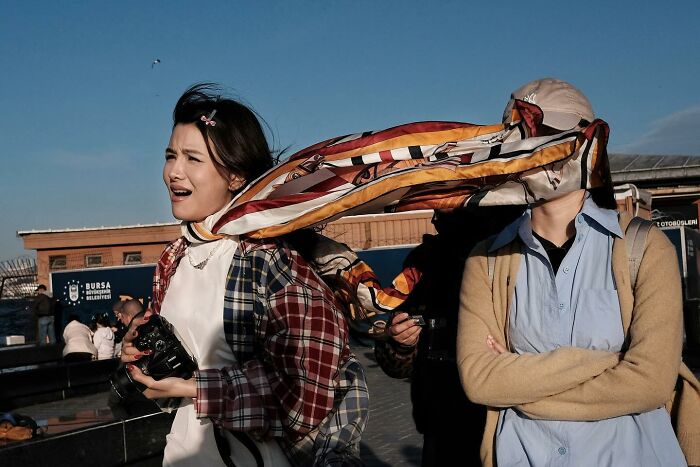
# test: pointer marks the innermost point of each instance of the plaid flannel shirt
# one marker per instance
(296, 379)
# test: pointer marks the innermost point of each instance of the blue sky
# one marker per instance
(84, 118)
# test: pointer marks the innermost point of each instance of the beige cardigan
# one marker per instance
(572, 383)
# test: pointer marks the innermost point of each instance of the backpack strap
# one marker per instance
(491, 258)
(636, 235)
(491, 265)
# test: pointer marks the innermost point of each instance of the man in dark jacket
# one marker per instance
(451, 425)
(43, 309)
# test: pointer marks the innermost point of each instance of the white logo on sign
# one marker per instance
(71, 292)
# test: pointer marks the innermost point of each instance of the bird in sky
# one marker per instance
(155, 62)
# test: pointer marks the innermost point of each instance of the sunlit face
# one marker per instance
(196, 188)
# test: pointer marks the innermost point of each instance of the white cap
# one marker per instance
(562, 104)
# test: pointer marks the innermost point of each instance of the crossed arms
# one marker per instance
(573, 383)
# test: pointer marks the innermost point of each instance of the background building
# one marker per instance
(66, 249)
(672, 181)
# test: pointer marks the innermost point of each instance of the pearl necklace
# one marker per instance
(204, 262)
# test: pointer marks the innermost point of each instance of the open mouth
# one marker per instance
(180, 192)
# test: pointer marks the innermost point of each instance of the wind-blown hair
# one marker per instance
(235, 134)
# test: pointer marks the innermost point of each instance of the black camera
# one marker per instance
(168, 358)
(120, 332)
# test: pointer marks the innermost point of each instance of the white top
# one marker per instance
(104, 342)
(194, 305)
(78, 338)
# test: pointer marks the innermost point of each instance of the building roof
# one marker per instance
(21, 233)
(355, 218)
(636, 168)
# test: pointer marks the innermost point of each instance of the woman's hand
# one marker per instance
(129, 352)
(164, 388)
(495, 347)
(403, 330)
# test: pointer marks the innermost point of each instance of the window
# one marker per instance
(132, 257)
(57, 262)
(92, 261)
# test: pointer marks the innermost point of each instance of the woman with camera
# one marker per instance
(276, 383)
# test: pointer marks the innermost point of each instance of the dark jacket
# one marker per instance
(439, 402)
(42, 306)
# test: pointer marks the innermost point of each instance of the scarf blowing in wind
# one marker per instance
(424, 165)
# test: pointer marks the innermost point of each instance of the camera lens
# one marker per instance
(122, 384)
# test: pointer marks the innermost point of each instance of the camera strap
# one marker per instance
(225, 448)
(140, 313)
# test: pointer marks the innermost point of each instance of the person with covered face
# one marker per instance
(573, 360)
(276, 382)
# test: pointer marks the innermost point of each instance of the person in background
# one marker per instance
(117, 310)
(124, 311)
(103, 338)
(427, 354)
(78, 339)
(42, 308)
(135, 404)
(130, 310)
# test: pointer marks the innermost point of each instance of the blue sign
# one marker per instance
(88, 292)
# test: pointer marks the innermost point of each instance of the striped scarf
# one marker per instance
(424, 165)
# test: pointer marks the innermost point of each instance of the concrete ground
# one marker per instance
(390, 438)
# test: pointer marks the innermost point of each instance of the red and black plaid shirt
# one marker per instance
(291, 342)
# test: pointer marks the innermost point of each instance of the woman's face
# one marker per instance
(196, 188)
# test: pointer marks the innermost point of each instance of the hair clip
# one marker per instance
(209, 120)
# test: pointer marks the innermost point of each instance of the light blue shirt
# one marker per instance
(577, 307)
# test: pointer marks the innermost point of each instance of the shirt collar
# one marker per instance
(606, 218)
(508, 234)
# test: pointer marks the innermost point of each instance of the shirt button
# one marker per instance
(567, 269)
(562, 451)
(561, 306)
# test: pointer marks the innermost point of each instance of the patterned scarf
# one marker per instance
(424, 165)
